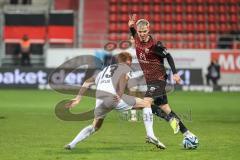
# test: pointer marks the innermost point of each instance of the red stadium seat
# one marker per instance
(233, 1)
(124, 28)
(146, 1)
(201, 27)
(234, 27)
(190, 1)
(134, 1)
(200, 17)
(200, 9)
(201, 37)
(178, 1)
(113, 37)
(179, 9)
(212, 37)
(190, 9)
(157, 27)
(190, 45)
(211, 9)
(223, 18)
(169, 45)
(190, 37)
(211, 1)
(168, 1)
(201, 45)
(113, 27)
(157, 9)
(190, 27)
(200, 1)
(167, 18)
(223, 28)
(146, 8)
(234, 18)
(168, 28)
(212, 28)
(233, 9)
(124, 1)
(157, 1)
(190, 18)
(157, 18)
(179, 45)
(211, 18)
(213, 45)
(168, 9)
(222, 9)
(168, 37)
(124, 8)
(113, 18)
(124, 37)
(147, 16)
(113, 1)
(113, 8)
(179, 27)
(179, 37)
(134, 9)
(178, 18)
(222, 1)
(123, 17)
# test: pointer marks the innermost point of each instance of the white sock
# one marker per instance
(133, 114)
(83, 134)
(188, 133)
(148, 121)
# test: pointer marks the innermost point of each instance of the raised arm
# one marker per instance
(73, 102)
(131, 23)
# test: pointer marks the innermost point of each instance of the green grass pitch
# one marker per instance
(29, 129)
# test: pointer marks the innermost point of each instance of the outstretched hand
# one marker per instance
(132, 19)
(72, 103)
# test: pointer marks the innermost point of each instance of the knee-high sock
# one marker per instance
(160, 113)
(183, 128)
(148, 121)
(83, 134)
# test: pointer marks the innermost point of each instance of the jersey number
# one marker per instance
(112, 70)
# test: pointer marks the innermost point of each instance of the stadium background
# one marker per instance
(194, 31)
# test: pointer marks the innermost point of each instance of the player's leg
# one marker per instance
(145, 105)
(133, 112)
(85, 133)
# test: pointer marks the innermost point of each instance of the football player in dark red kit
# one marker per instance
(151, 55)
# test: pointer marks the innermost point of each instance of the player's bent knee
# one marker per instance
(166, 108)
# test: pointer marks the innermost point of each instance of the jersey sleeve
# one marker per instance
(133, 31)
(134, 74)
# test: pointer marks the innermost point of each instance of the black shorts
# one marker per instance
(156, 90)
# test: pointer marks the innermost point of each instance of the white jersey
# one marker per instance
(108, 79)
(107, 82)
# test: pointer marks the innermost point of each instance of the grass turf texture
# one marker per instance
(30, 130)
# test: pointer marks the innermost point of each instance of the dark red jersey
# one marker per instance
(151, 64)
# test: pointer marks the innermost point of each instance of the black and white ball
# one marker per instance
(190, 142)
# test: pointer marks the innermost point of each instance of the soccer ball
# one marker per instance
(190, 142)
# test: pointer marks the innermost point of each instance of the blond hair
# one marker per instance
(142, 22)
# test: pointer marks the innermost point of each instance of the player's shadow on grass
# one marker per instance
(102, 149)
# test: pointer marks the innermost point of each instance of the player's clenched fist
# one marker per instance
(177, 78)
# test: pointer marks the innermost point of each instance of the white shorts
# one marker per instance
(106, 105)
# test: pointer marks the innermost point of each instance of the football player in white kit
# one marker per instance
(111, 83)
